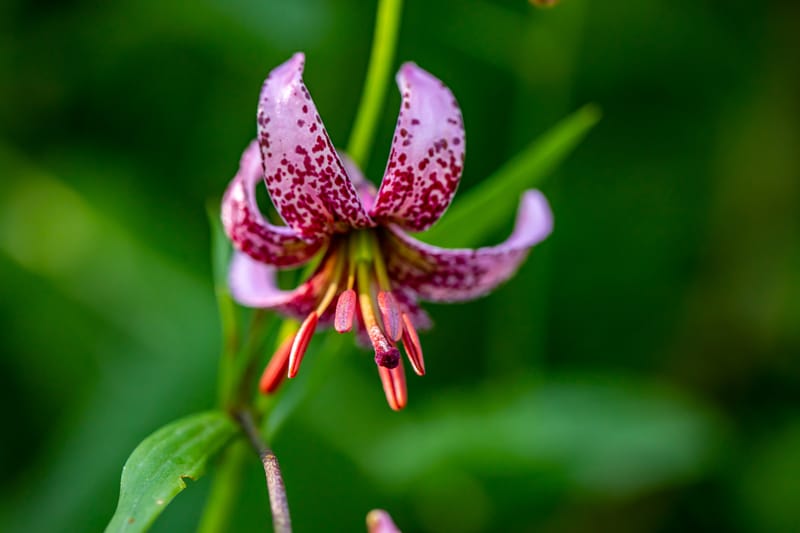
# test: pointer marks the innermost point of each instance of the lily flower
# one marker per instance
(372, 273)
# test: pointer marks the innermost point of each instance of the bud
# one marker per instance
(379, 521)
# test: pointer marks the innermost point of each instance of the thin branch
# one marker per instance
(281, 521)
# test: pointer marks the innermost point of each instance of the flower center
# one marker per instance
(353, 275)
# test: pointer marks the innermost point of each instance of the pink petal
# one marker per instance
(427, 153)
(304, 174)
(437, 274)
(246, 227)
(407, 300)
(255, 284)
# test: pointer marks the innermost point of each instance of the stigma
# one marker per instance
(356, 291)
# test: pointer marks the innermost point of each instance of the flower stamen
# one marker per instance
(390, 314)
(300, 343)
(277, 367)
(394, 386)
(333, 285)
(412, 346)
(386, 355)
(345, 311)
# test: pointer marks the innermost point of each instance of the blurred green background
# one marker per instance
(641, 372)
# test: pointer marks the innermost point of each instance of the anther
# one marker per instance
(345, 311)
(301, 341)
(276, 369)
(394, 386)
(412, 346)
(390, 313)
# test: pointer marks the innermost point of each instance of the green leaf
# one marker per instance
(485, 207)
(156, 470)
(602, 434)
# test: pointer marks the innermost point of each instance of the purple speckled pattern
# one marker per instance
(409, 304)
(246, 227)
(322, 195)
(427, 153)
(305, 176)
(441, 275)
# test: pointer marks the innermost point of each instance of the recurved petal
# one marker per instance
(246, 227)
(441, 275)
(407, 300)
(305, 176)
(427, 153)
(255, 284)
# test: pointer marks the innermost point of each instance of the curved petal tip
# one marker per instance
(289, 69)
(410, 72)
(535, 216)
(427, 154)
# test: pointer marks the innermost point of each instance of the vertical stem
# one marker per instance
(224, 490)
(281, 520)
(230, 340)
(387, 22)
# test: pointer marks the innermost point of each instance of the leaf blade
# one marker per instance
(156, 470)
(478, 212)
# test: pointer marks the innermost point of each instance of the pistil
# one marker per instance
(386, 355)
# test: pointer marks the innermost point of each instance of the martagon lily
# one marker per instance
(372, 273)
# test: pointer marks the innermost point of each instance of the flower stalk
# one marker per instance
(384, 42)
(281, 520)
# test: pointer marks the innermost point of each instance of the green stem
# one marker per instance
(224, 489)
(230, 342)
(237, 388)
(387, 22)
(234, 390)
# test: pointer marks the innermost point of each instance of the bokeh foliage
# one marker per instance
(640, 373)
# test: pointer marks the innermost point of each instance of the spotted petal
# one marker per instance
(427, 153)
(246, 227)
(305, 176)
(441, 275)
